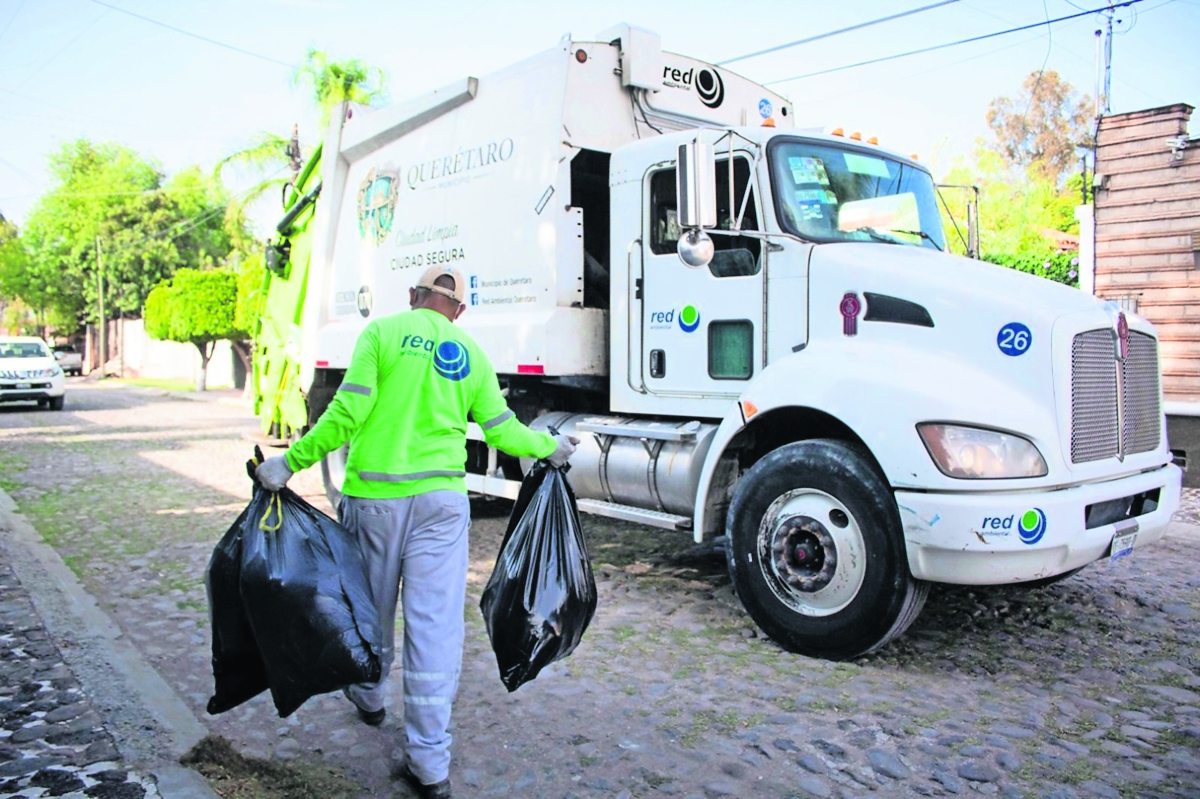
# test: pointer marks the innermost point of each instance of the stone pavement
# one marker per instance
(53, 742)
(1090, 687)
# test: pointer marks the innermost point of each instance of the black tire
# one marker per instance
(816, 552)
(56, 403)
(43, 403)
(333, 474)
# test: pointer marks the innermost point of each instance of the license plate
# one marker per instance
(1122, 545)
(23, 385)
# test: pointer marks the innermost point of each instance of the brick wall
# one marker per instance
(1148, 232)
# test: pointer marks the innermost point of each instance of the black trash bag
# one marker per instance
(238, 669)
(289, 584)
(541, 595)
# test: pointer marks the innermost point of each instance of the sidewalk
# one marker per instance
(63, 672)
(224, 396)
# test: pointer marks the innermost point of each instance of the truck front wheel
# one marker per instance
(816, 552)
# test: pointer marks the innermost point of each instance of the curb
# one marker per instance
(150, 724)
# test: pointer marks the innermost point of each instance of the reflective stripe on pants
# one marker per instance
(421, 540)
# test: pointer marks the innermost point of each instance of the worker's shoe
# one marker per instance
(372, 718)
(439, 790)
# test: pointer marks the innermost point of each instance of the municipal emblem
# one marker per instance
(377, 205)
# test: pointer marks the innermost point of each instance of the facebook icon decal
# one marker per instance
(474, 297)
(474, 281)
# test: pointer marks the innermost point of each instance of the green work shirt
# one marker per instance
(403, 408)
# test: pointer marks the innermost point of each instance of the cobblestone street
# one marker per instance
(1090, 687)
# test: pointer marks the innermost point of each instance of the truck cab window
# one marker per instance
(735, 255)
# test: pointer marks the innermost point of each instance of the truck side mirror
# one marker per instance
(696, 185)
(696, 191)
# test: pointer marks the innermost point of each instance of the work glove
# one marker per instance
(274, 473)
(563, 452)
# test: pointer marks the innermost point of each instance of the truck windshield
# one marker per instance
(824, 192)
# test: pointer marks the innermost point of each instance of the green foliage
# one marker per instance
(333, 82)
(250, 297)
(157, 313)
(194, 307)
(146, 228)
(1014, 210)
(1061, 267)
(267, 154)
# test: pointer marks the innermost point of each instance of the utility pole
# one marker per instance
(103, 326)
(1108, 60)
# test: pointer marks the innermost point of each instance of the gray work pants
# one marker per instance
(421, 540)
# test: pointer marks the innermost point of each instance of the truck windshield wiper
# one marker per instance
(877, 236)
(923, 235)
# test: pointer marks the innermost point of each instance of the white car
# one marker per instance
(29, 373)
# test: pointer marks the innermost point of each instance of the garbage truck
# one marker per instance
(757, 332)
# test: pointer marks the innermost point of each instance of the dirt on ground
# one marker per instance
(1090, 687)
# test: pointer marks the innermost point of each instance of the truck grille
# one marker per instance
(1139, 378)
(1096, 431)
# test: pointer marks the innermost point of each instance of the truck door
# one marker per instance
(701, 328)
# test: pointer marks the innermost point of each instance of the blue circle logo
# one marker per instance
(450, 360)
(1014, 339)
(764, 108)
(1032, 526)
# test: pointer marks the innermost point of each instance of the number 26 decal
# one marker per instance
(1014, 339)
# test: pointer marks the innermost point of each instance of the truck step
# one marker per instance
(654, 518)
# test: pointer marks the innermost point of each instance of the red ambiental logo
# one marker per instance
(709, 86)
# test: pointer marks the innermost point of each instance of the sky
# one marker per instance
(83, 68)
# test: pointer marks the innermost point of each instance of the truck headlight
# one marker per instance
(972, 453)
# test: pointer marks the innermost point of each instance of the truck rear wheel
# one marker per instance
(333, 474)
(816, 552)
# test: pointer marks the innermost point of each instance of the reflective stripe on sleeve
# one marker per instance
(504, 417)
(355, 388)
(385, 477)
(426, 675)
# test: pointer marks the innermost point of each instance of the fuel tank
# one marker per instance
(652, 464)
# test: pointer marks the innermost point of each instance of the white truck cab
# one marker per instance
(755, 330)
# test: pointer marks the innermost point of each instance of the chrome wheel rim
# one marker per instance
(811, 552)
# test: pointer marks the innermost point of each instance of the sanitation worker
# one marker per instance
(403, 406)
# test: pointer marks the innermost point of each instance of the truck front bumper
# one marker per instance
(994, 539)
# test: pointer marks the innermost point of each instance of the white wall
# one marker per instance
(1087, 247)
(168, 360)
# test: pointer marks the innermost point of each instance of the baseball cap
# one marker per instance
(458, 293)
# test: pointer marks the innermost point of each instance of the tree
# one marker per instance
(107, 197)
(331, 83)
(1040, 128)
(334, 82)
(195, 307)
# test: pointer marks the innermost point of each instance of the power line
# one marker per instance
(19, 171)
(1089, 59)
(1042, 71)
(195, 35)
(953, 44)
(61, 50)
(837, 32)
(12, 19)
